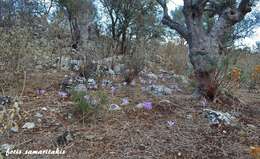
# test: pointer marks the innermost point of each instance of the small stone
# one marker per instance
(114, 107)
(119, 68)
(142, 147)
(54, 71)
(92, 84)
(4, 100)
(189, 116)
(106, 83)
(66, 82)
(70, 116)
(152, 76)
(182, 78)
(14, 130)
(81, 88)
(38, 115)
(111, 72)
(140, 106)
(65, 138)
(163, 71)
(159, 90)
(89, 137)
(44, 109)
(217, 117)
(28, 125)
(39, 67)
(79, 80)
(165, 101)
(176, 88)
(251, 126)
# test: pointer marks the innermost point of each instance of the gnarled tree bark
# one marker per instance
(204, 45)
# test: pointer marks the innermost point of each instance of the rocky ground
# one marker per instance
(153, 117)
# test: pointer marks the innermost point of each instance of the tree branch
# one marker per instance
(201, 4)
(245, 6)
(167, 20)
(187, 3)
(230, 17)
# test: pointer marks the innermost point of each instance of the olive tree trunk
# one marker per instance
(204, 45)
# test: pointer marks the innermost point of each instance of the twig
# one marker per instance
(24, 82)
(25, 142)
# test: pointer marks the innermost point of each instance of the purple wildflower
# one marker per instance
(40, 91)
(63, 94)
(125, 101)
(148, 105)
(113, 90)
(171, 123)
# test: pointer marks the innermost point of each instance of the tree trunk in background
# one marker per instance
(75, 31)
(123, 44)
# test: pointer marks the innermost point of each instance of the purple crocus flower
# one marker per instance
(171, 123)
(204, 102)
(148, 105)
(63, 94)
(40, 91)
(125, 101)
(113, 90)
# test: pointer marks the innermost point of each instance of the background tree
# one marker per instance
(258, 47)
(205, 42)
(78, 12)
(22, 12)
(131, 19)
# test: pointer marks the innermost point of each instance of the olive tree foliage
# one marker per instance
(205, 39)
(22, 12)
(242, 29)
(131, 20)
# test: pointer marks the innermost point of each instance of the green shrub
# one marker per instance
(86, 106)
(103, 97)
(81, 102)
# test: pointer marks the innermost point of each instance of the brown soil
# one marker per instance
(134, 133)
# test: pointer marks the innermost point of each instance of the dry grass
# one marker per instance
(175, 57)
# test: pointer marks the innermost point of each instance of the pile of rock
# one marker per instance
(217, 117)
(5, 100)
(159, 90)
